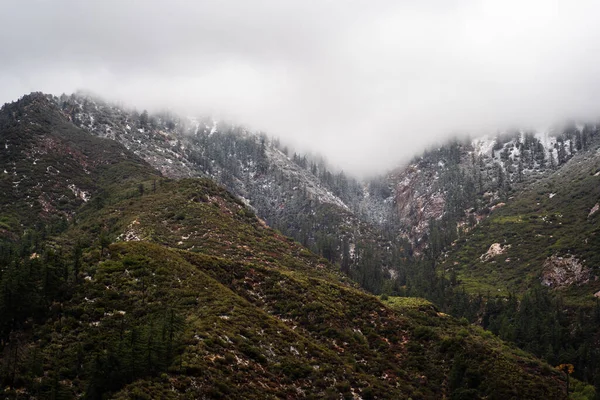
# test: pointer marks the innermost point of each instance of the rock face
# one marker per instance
(561, 272)
(418, 200)
(494, 250)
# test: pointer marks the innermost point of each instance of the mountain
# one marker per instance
(174, 289)
(388, 233)
(455, 186)
(392, 233)
(448, 188)
(507, 232)
(534, 263)
(543, 235)
(49, 168)
(334, 215)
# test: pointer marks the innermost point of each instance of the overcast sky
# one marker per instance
(366, 83)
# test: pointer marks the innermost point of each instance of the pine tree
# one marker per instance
(104, 241)
(520, 169)
(144, 119)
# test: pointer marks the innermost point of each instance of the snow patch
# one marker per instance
(483, 145)
(82, 194)
(130, 235)
(293, 171)
(545, 138)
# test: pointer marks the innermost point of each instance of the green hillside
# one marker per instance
(550, 218)
(156, 288)
(49, 167)
(237, 311)
(531, 269)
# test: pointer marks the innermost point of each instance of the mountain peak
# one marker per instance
(35, 108)
(49, 167)
(32, 99)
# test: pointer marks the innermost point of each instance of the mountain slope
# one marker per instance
(247, 313)
(529, 272)
(196, 298)
(455, 186)
(553, 218)
(48, 167)
(298, 196)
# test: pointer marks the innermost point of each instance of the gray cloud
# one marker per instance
(366, 83)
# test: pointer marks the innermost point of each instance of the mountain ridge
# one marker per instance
(175, 289)
(371, 201)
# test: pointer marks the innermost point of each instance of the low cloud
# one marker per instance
(368, 84)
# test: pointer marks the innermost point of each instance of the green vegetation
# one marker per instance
(549, 218)
(48, 167)
(173, 289)
(214, 304)
(478, 360)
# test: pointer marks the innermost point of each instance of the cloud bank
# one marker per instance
(368, 84)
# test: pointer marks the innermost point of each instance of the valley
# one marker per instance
(127, 272)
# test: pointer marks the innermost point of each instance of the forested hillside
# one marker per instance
(534, 266)
(159, 288)
(528, 270)
(49, 168)
(420, 207)
(390, 232)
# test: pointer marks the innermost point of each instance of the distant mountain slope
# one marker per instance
(376, 229)
(530, 271)
(324, 211)
(456, 185)
(546, 234)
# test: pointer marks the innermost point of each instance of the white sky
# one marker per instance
(368, 84)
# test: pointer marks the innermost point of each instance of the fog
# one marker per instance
(368, 84)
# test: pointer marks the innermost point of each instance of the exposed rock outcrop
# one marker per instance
(418, 200)
(594, 210)
(494, 250)
(561, 272)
